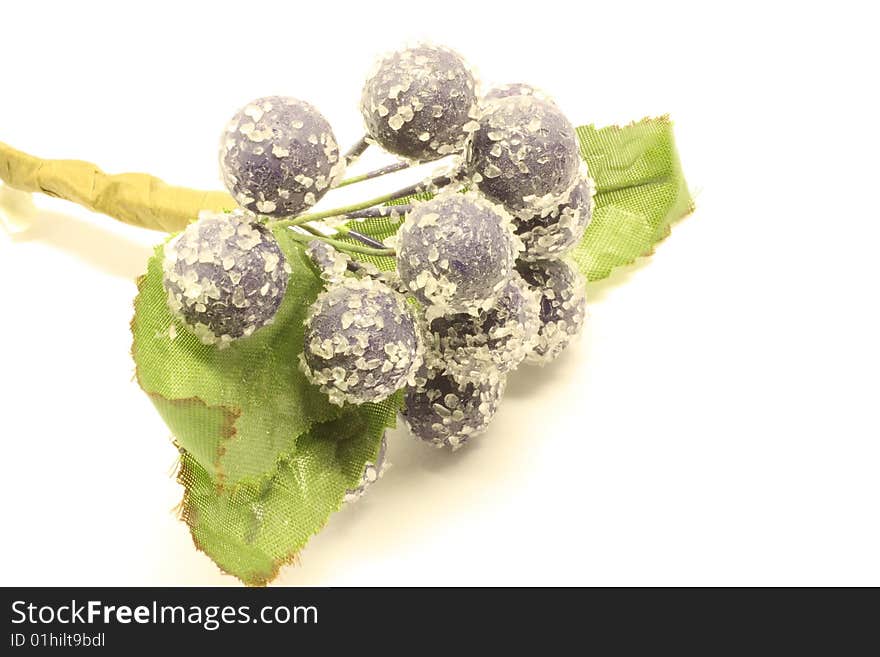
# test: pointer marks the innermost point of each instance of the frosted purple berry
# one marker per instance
(563, 305)
(447, 412)
(278, 156)
(525, 149)
(361, 341)
(332, 265)
(550, 231)
(467, 346)
(456, 252)
(420, 103)
(225, 276)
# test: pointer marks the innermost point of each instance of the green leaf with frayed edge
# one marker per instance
(260, 526)
(265, 458)
(640, 191)
(237, 409)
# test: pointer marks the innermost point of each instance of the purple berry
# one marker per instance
(563, 305)
(361, 342)
(225, 276)
(550, 231)
(467, 346)
(456, 253)
(447, 412)
(525, 149)
(420, 103)
(278, 156)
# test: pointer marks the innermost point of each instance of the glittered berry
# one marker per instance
(525, 149)
(446, 412)
(225, 276)
(278, 156)
(552, 230)
(563, 305)
(468, 346)
(420, 103)
(332, 265)
(361, 342)
(456, 252)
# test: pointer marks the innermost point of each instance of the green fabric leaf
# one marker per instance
(265, 458)
(235, 409)
(254, 530)
(640, 191)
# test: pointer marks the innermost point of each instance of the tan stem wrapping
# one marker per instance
(134, 198)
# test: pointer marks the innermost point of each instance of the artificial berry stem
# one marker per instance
(348, 232)
(361, 237)
(431, 185)
(345, 247)
(356, 151)
(391, 168)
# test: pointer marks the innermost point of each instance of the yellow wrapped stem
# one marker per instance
(134, 198)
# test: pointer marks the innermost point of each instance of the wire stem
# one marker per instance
(356, 151)
(419, 188)
(391, 168)
(348, 232)
(360, 237)
(345, 247)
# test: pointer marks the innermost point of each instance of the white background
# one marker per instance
(717, 424)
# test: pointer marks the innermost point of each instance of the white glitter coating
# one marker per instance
(278, 156)
(421, 102)
(361, 341)
(514, 89)
(524, 149)
(225, 276)
(467, 346)
(563, 301)
(550, 227)
(332, 264)
(456, 252)
(446, 412)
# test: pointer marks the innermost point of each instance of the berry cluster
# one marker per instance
(480, 284)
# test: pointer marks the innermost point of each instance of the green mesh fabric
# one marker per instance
(640, 192)
(252, 530)
(265, 459)
(235, 409)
